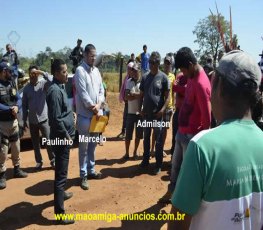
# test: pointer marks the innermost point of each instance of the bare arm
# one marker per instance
(141, 101)
(203, 100)
(167, 99)
(182, 224)
(131, 96)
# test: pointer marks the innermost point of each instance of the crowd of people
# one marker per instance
(216, 173)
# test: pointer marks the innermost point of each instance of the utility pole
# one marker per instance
(51, 62)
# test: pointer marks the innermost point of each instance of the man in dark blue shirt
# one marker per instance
(62, 132)
(154, 89)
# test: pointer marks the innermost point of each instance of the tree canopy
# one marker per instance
(42, 59)
(208, 36)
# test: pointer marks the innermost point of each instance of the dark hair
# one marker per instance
(209, 60)
(241, 97)
(129, 61)
(183, 58)
(144, 46)
(56, 65)
(156, 56)
(7, 45)
(89, 47)
(32, 67)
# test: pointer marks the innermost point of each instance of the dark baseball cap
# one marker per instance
(238, 66)
(5, 65)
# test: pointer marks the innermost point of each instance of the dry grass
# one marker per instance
(112, 81)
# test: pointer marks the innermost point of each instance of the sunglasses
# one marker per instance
(167, 63)
(8, 70)
(153, 62)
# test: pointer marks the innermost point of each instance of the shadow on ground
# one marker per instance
(143, 224)
(133, 171)
(22, 214)
(43, 188)
(114, 139)
(46, 187)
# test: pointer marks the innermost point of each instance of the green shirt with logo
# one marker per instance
(221, 179)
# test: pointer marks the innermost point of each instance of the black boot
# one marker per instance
(2, 180)
(19, 173)
(65, 221)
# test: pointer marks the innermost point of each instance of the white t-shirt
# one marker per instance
(134, 87)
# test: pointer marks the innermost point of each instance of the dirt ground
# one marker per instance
(28, 203)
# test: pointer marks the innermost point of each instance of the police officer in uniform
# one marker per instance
(10, 102)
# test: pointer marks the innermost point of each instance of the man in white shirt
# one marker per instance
(89, 97)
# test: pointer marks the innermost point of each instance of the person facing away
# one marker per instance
(62, 129)
(220, 184)
(34, 109)
(10, 103)
(195, 112)
(89, 99)
(76, 55)
(154, 89)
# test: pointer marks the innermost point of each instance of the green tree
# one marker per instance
(118, 57)
(25, 63)
(43, 59)
(48, 51)
(1, 53)
(208, 36)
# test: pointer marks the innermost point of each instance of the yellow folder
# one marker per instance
(98, 125)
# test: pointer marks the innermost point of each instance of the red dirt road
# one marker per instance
(125, 189)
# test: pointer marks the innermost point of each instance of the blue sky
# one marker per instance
(115, 25)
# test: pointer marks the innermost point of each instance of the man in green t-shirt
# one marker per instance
(220, 185)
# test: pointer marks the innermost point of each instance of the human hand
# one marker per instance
(74, 118)
(96, 109)
(97, 117)
(25, 126)
(141, 113)
(36, 72)
(14, 110)
(159, 114)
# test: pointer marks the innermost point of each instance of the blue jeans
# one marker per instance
(175, 129)
(181, 144)
(86, 149)
(158, 133)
